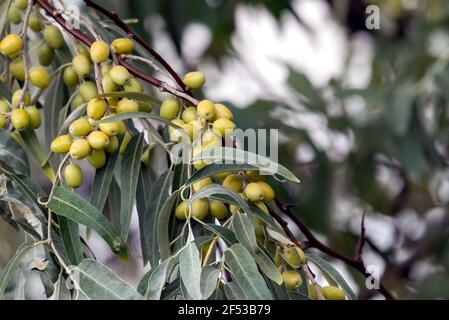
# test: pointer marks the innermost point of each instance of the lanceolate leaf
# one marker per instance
(238, 156)
(70, 235)
(190, 268)
(159, 194)
(8, 270)
(245, 272)
(327, 268)
(12, 154)
(154, 280)
(3, 19)
(267, 266)
(244, 230)
(129, 172)
(98, 282)
(209, 279)
(71, 205)
(54, 101)
(102, 182)
(163, 221)
(144, 184)
(226, 234)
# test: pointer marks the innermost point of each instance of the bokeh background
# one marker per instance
(363, 116)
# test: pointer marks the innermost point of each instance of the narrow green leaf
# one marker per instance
(75, 114)
(234, 292)
(98, 282)
(12, 154)
(54, 102)
(267, 266)
(144, 183)
(209, 279)
(70, 235)
(102, 182)
(244, 230)
(3, 20)
(226, 234)
(163, 222)
(190, 269)
(71, 205)
(154, 280)
(327, 268)
(245, 272)
(129, 172)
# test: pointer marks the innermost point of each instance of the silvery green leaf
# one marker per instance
(244, 230)
(190, 268)
(209, 281)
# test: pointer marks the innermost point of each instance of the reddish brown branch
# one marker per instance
(131, 34)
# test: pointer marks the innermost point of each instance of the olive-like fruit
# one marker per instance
(112, 145)
(176, 134)
(145, 106)
(199, 162)
(70, 76)
(194, 79)
(221, 175)
(108, 84)
(53, 36)
(255, 176)
(110, 128)
(292, 279)
(20, 119)
(11, 45)
(120, 75)
(14, 15)
(45, 54)
(210, 139)
(77, 101)
(16, 98)
(222, 112)
(268, 192)
(122, 45)
(218, 209)
(202, 183)
(205, 110)
(189, 114)
(80, 127)
(79, 149)
(35, 22)
(88, 90)
(311, 291)
(181, 211)
(199, 209)
(81, 65)
(133, 85)
(17, 69)
(4, 107)
(262, 206)
(73, 175)
(82, 50)
(332, 293)
(254, 192)
(98, 139)
(39, 77)
(21, 4)
(169, 108)
(35, 117)
(99, 51)
(2, 121)
(61, 144)
(127, 105)
(96, 108)
(97, 158)
(233, 182)
(292, 257)
(224, 127)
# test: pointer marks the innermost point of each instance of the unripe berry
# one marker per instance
(82, 50)
(268, 192)
(144, 106)
(181, 211)
(189, 114)
(175, 133)
(45, 54)
(233, 182)
(123, 45)
(108, 84)
(205, 110)
(16, 98)
(262, 206)
(105, 67)
(97, 158)
(217, 209)
(81, 65)
(80, 127)
(112, 145)
(2, 121)
(127, 105)
(234, 208)
(14, 15)
(61, 144)
(259, 228)
(21, 4)
(255, 176)
(110, 128)
(222, 112)
(120, 75)
(11, 45)
(133, 85)
(202, 183)
(332, 293)
(210, 139)
(20, 119)
(73, 175)
(121, 127)
(39, 77)
(200, 163)
(199, 209)
(311, 291)
(254, 192)
(222, 175)
(17, 69)
(53, 36)
(302, 256)
(98, 139)
(35, 22)
(194, 79)
(292, 257)
(35, 117)
(96, 108)
(126, 139)
(76, 101)
(88, 90)
(169, 108)
(79, 149)
(70, 77)
(4, 107)
(224, 127)
(292, 279)
(99, 51)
